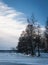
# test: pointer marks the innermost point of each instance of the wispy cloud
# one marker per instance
(12, 23)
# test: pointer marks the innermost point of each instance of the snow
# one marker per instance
(21, 59)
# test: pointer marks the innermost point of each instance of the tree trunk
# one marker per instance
(38, 50)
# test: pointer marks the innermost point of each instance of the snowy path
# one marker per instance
(20, 59)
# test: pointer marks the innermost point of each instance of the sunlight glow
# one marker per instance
(10, 28)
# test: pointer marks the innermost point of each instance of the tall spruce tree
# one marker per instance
(26, 43)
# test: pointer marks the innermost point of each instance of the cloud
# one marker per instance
(12, 23)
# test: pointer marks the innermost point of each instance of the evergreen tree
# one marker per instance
(27, 41)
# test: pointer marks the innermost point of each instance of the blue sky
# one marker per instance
(13, 15)
(38, 7)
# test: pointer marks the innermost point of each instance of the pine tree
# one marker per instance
(26, 42)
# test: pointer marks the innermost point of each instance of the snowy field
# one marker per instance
(20, 59)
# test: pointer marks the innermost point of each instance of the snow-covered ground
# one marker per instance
(20, 59)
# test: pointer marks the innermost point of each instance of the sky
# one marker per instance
(38, 7)
(13, 15)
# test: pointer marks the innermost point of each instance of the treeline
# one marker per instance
(33, 39)
(12, 50)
